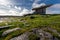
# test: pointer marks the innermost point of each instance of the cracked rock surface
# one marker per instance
(24, 36)
(40, 33)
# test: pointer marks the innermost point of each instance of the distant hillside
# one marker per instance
(31, 27)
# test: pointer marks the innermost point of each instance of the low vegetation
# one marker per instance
(26, 23)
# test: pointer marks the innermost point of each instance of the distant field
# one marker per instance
(29, 22)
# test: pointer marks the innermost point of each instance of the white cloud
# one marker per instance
(53, 12)
(55, 9)
(2, 11)
(19, 8)
(7, 9)
(56, 6)
(5, 2)
(25, 12)
(13, 12)
(32, 11)
(35, 4)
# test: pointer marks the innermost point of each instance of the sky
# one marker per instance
(22, 7)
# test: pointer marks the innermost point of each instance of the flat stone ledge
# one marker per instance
(9, 31)
(1, 27)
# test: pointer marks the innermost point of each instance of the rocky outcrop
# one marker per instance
(24, 36)
(40, 34)
(9, 31)
(43, 35)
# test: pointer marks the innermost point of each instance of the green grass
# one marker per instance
(52, 21)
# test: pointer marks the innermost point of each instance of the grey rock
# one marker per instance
(9, 31)
(5, 26)
(24, 36)
(52, 30)
(43, 34)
